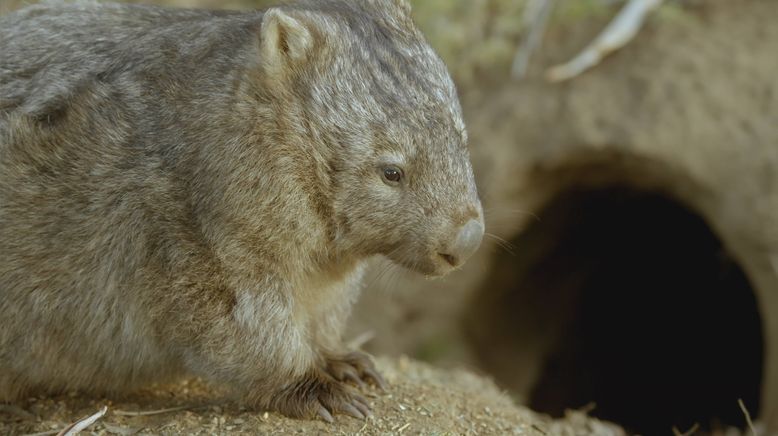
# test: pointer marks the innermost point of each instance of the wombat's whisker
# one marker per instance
(502, 212)
(393, 278)
(385, 268)
(502, 243)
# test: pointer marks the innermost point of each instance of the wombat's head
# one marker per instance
(357, 79)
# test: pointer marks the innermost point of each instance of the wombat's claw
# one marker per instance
(361, 404)
(353, 405)
(320, 395)
(356, 410)
(375, 377)
(345, 372)
(353, 411)
(357, 368)
(325, 414)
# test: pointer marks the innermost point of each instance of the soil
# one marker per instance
(420, 400)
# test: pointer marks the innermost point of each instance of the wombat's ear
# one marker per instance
(284, 40)
(404, 6)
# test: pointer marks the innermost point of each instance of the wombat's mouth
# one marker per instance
(439, 259)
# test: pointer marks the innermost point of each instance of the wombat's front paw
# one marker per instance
(355, 367)
(318, 394)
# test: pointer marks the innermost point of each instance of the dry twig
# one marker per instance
(155, 412)
(360, 340)
(82, 424)
(43, 433)
(689, 432)
(617, 34)
(535, 19)
(748, 416)
(123, 431)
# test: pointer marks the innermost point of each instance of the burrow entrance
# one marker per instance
(625, 300)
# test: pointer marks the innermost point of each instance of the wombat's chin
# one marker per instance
(428, 268)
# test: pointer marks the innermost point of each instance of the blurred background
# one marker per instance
(632, 266)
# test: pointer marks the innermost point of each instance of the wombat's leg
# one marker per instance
(355, 367)
(257, 346)
(318, 393)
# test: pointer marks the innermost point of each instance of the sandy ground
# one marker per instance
(420, 400)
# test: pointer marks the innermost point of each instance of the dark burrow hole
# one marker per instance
(625, 300)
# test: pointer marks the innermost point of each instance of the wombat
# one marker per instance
(198, 192)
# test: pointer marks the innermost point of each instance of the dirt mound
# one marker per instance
(420, 400)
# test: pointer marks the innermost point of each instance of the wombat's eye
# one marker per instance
(392, 174)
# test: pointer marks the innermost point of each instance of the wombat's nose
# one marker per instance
(467, 241)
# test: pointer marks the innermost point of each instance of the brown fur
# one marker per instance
(188, 191)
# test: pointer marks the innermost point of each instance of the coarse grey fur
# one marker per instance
(190, 191)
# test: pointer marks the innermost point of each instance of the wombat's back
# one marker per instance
(90, 210)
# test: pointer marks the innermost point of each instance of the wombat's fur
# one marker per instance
(185, 191)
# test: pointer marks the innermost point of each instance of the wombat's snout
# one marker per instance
(465, 244)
